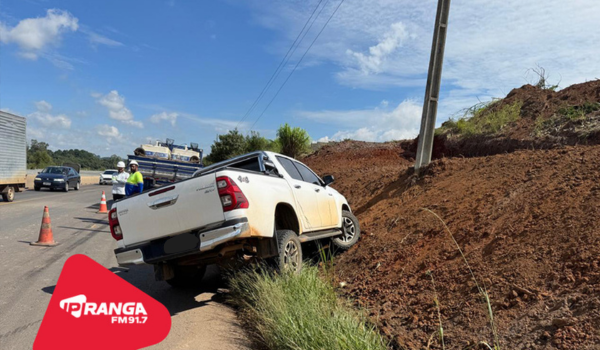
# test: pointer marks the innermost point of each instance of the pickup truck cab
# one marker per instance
(260, 204)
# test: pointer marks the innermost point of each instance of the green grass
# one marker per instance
(300, 312)
(574, 113)
(483, 118)
(565, 115)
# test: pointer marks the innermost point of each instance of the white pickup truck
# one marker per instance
(260, 204)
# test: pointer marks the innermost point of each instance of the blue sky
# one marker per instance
(108, 76)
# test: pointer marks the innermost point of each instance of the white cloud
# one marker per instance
(43, 106)
(43, 116)
(375, 60)
(219, 125)
(376, 124)
(33, 35)
(108, 131)
(170, 117)
(381, 44)
(96, 39)
(115, 104)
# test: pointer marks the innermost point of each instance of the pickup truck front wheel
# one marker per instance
(290, 251)
(350, 231)
(187, 276)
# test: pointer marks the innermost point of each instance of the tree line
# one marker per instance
(291, 141)
(39, 157)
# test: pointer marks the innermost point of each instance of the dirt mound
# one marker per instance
(527, 223)
(545, 119)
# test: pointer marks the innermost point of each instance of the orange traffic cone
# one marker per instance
(46, 238)
(103, 208)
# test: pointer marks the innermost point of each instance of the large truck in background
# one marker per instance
(164, 162)
(13, 155)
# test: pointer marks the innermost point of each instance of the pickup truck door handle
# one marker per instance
(163, 202)
(297, 186)
(317, 189)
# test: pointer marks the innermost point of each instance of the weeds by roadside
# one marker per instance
(300, 311)
(482, 290)
(483, 118)
(568, 116)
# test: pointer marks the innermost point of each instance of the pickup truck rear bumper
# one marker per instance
(202, 241)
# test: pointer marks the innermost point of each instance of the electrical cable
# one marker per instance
(297, 64)
(283, 62)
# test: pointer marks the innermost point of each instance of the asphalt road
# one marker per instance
(28, 274)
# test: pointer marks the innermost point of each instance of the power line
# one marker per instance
(297, 64)
(283, 62)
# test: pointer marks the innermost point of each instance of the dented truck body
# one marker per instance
(231, 208)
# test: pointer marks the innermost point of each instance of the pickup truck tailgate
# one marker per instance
(171, 209)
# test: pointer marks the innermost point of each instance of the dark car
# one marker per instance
(57, 178)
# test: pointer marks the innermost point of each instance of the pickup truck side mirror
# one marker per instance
(328, 179)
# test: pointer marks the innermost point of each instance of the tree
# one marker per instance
(294, 142)
(255, 142)
(227, 146)
(38, 155)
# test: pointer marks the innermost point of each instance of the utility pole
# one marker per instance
(432, 91)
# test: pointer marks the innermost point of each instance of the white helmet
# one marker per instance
(133, 162)
(121, 164)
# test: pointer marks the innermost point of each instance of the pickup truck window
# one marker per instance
(307, 174)
(290, 168)
(251, 164)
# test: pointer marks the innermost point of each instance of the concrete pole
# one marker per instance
(432, 91)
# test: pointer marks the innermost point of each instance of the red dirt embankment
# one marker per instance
(528, 223)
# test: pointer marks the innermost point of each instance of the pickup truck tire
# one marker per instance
(350, 229)
(77, 186)
(290, 251)
(187, 276)
(66, 187)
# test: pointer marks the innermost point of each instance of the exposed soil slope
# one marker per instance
(528, 223)
(547, 119)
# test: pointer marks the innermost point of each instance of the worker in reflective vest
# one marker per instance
(135, 182)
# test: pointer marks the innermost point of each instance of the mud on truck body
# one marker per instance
(261, 204)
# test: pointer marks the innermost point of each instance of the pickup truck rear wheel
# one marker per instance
(187, 276)
(350, 231)
(290, 251)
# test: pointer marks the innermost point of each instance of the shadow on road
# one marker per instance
(83, 229)
(49, 289)
(93, 220)
(174, 299)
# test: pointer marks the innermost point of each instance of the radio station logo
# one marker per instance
(78, 305)
(89, 301)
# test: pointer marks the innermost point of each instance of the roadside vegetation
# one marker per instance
(291, 141)
(483, 118)
(570, 117)
(300, 312)
(39, 156)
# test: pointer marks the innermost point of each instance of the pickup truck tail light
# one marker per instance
(231, 195)
(113, 222)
